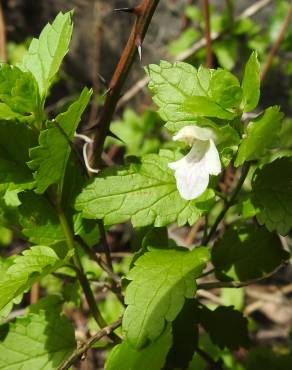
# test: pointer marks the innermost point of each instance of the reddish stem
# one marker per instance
(206, 13)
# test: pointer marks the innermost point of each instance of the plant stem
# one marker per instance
(80, 273)
(228, 203)
(206, 13)
(105, 245)
(277, 43)
(87, 345)
(143, 13)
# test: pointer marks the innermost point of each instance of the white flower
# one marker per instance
(192, 171)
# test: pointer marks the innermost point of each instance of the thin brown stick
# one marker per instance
(143, 14)
(277, 44)
(139, 85)
(3, 53)
(213, 365)
(79, 352)
(34, 293)
(206, 14)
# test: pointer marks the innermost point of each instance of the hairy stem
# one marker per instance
(228, 204)
(143, 13)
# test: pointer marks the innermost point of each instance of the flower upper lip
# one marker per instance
(192, 172)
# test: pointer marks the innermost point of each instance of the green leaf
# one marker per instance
(247, 253)
(170, 85)
(251, 84)
(226, 327)
(50, 158)
(125, 357)
(15, 141)
(272, 195)
(143, 192)
(7, 114)
(18, 89)
(185, 337)
(262, 134)
(225, 89)
(205, 106)
(160, 282)
(46, 53)
(33, 264)
(182, 93)
(39, 220)
(40, 341)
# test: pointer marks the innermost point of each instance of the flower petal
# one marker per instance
(192, 176)
(191, 132)
(212, 160)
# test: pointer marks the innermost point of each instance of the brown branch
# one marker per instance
(34, 293)
(206, 14)
(277, 44)
(79, 352)
(139, 85)
(143, 14)
(3, 53)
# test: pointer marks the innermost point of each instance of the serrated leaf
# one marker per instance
(125, 357)
(185, 337)
(170, 85)
(247, 253)
(18, 89)
(251, 83)
(15, 141)
(39, 220)
(40, 342)
(160, 282)
(46, 53)
(226, 327)
(272, 195)
(143, 192)
(33, 264)
(50, 158)
(182, 93)
(262, 134)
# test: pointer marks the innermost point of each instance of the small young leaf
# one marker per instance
(46, 53)
(125, 357)
(247, 253)
(18, 89)
(272, 195)
(50, 158)
(225, 89)
(251, 84)
(40, 341)
(262, 134)
(33, 264)
(7, 114)
(205, 106)
(39, 220)
(160, 282)
(226, 327)
(144, 193)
